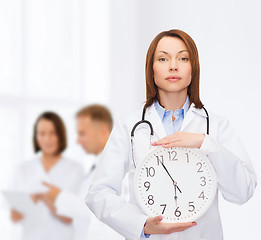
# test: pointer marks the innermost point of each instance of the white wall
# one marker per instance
(48, 61)
(59, 55)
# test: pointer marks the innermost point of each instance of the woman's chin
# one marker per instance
(50, 152)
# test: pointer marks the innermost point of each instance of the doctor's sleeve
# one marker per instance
(104, 194)
(235, 174)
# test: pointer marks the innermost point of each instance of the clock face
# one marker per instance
(177, 183)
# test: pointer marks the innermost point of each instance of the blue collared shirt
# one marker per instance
(166, 117)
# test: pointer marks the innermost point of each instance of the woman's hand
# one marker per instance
(35, 198)
(65, 220)
(52, 194)
(154, 225)
(16, 216)
(181, 139)
(49, 199)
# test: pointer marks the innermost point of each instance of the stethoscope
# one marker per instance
(152, 131)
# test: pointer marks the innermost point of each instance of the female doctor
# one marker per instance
(50, 166)
(174, 108)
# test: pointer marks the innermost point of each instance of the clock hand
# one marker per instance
(175, 197)
(170, 176)
(178, 187)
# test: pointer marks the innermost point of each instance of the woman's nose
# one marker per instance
(173, 66)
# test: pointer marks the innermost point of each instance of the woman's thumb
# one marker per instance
(158, 219)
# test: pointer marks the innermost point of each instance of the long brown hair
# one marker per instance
(193, 88)
(59, 128)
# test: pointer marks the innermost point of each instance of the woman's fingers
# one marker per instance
(166, 140)
(177, 227)
(155, 226)
(181, 139)
(36, 197)
(16, 216)
(169, 145)
(183, 226)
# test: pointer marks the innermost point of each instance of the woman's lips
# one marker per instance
(173, 78)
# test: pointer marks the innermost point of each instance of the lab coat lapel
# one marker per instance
(191, 113)
(188, 117)
(153, 117)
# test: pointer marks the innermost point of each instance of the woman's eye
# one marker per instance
(162, 59)
(184, 59)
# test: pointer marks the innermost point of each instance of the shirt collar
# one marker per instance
(162, 111)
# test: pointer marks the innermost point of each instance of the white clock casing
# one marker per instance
(186, 174)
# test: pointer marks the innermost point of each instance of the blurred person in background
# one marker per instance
(49, 138)
(94, 125)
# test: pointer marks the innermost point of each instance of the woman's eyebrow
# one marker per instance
(181, 51)
(162, 52)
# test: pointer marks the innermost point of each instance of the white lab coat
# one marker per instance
(65, 174)
(235, 175)
(86, 224)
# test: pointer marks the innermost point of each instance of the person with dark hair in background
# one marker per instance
(49, 138)
(94, 125)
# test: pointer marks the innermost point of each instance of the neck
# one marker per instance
(172, 101)
(51, 157)
(49, 160)
(102, 145)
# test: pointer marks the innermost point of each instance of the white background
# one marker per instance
(63, 54)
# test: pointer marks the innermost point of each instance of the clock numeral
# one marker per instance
(147, 185)
(172, 158)
(202, 195)
(203, 181)
(159, 161)
(164, 207)
(187, 157)
(150, 200)
(200, 166)
(150, 172)
(177, 212)
(192, 207)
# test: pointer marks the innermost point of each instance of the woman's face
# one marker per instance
(172, 66)
(46, 137)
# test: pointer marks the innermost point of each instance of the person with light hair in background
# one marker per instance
(50, 166)
(94, 125)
